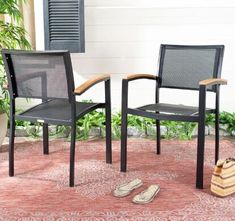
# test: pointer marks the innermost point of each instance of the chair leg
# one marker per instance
(108, 123)
(11, 146)
(124, 142)
(124, 125)
(72, 155)
(200, 154)
(216, 136)
(158, 131)
(108, 136)
(45, 139)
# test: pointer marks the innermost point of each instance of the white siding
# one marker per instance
(123, 36)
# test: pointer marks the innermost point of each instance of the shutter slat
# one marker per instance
(68, 14)
(60, 26)
(57, 39)
(58, 29)
(57, 8)
(64, 34)
(61, 17)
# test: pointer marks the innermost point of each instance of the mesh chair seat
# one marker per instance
(56, 111)
(172, 109)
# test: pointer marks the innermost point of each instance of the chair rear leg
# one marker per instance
(108, 123)
(158, 132)
(124, 142)
(216, 136)
(72, 155)
(45, 139)
(11, 147)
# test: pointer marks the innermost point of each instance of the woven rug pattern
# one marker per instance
(39, 190)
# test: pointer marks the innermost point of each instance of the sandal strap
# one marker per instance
(130, 185)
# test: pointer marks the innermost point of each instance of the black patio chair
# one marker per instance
(48, 76)
(180, 67)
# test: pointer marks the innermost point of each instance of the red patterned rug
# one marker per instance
(39, 190)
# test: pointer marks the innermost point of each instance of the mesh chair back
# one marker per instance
(184, 66)
(43, 75)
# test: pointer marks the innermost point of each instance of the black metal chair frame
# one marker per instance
(72, 92)
(199, 118)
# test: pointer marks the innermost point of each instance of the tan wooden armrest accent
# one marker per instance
(212, 81)
(131, 77)
(89, 83)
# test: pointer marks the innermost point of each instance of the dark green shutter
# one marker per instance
(64, 25)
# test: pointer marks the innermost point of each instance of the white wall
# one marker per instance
(123, 36)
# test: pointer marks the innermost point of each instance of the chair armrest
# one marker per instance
(213, 81)
(132, 77)
(91, 82)
(202, 93)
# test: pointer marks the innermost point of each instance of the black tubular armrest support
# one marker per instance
(202, 90)
(132, 77)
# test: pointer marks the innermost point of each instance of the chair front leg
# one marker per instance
(217, 125)
(45, 139)
(216, 136)
(124, 126)
(108, 123)
(12, 138)
(200, 154)
(72, 155)
(201, 138)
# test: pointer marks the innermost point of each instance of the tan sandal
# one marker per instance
(125, 189)
(147, 195)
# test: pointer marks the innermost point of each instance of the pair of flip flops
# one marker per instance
(144, 197)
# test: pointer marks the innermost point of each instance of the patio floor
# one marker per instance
(39, 190)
